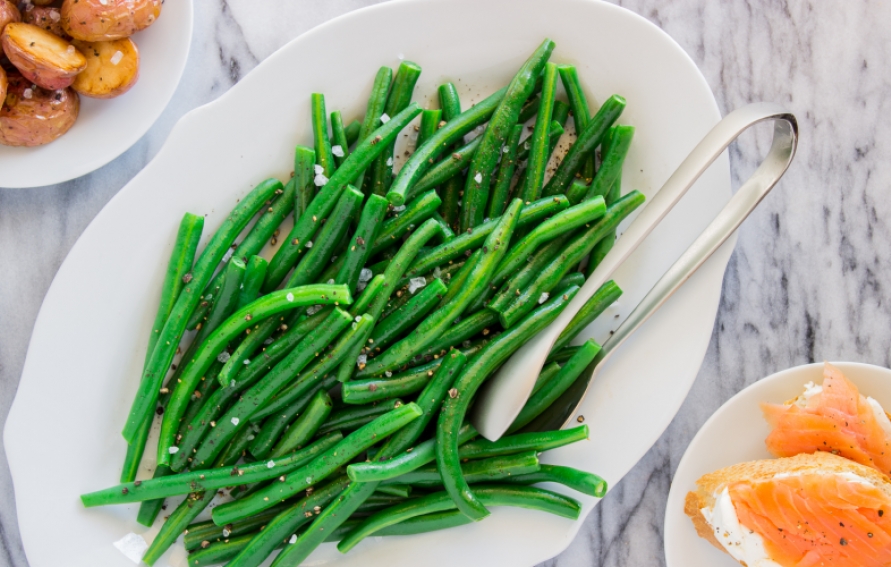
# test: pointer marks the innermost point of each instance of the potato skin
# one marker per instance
(48, 18)
(4, 83)
(8, 13)
(90, 20)
(103, 78)
(33, 116)
(42, 57)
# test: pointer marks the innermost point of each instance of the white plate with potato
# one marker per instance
(81, 81)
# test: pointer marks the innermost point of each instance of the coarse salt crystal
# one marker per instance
(270, 464)
(320, 180)
(361, 286)
(228, 255)
(293, 539)
(390, 162)
(318, 169)
(505, 149)
(437, 272)
(388, 374)
(223, 357)
(331, 281)
(309, 244)
(401, 56)
(543, 297)
(173, 450)
(313, 309)
(246, 362)
(365, 275)
(27, 94)
(399, 209)
(415, 284)
(268, 341)
(337, 150)
(231, 383)
(56, 16)
(290, 297)
(103, 2)
(309, 480)
(116, 58)
(363, 358)
(478, 177)
(385, 118)
(226, 533)
(235, 421)
(132, 546)
(358, 318)
(527, 145)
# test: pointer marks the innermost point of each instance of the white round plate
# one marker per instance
(82, 368)
(107, 128)
(736, 434)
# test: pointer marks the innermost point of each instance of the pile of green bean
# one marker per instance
(326, 389)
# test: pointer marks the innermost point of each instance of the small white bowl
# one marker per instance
(736, 433)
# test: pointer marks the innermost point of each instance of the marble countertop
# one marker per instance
(806, 282)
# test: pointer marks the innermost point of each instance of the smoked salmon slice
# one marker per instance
(833, 418)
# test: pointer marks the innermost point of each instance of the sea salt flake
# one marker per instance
(331, 281)
(385, 118)
(505, 150)
(116, 58)
(309, 244)
(270, 464)
(318, 169)
(290, 297)
(293, 539)
(27, 94)
(103, 2)
(337, 150)
(246, 362)
(415, 284)
(543, 297)
(235, 421)
(362, 359)
(390, 162)
(223, 357)
(399, 209)
(173, 450)
(437, 272)
(56, 16)
(478, 177)
(132, 546)
(228, 255)
(365, 275)
(313, 309)
(320, 180)
(388, 374)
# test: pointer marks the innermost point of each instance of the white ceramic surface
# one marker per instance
(735, 434)
(88, 341)
(107, 128)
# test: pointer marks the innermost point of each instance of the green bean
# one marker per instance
(351, 362)
(540, 151)
(406, 462)
(359, 251)
(605, 296)
(529, 497)
(329, 237)
(459, 283)
(509, 444)
(398, 99)
(304, 188)
(352, 132)
(526, 273)
(327, 522)
(400, 262)
(275, 425)
(552, 390)
(576, 192)
(482, 168)
(304, 428)
(447, 232)
(260, 393)
(391, 328)
(563, 222)
(240, 357)
(446, 169)
(451, 189)
(580, 481)
(176, 523)
(555, 132)
(220, 552)
(587, 140)
(149, 509)
(319, 469)
(399, 490)
(208, 479)
(416, 212)
(170, 336)
(562, 355)
(466, 329)
(581, 113)
(529, 109)
(312, 376)
(324, 157)
(341, 147)
(211, 348)
(573, 279)
(187, 238)
(482, 470)
(547, 373)
(569, 257)
(441, 254)
(208, 531)
(430, 120)
(280, 204)
(364, 153)
(351, 418)
(367, 295)
(559, 114)
(506, 168)
(455, 407)
(372, 121)
(206, 387)
(286, 523)
(611, 166)
(493, 251)
(254, 275)
(358, 392)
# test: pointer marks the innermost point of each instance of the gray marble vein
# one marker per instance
(806, 282)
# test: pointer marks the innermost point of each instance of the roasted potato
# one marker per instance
(44, 2)
(42, 57)
(33, 116)
(46, 17)
(112, 68)
(105, 20)
(8, 13)
(4, 82)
